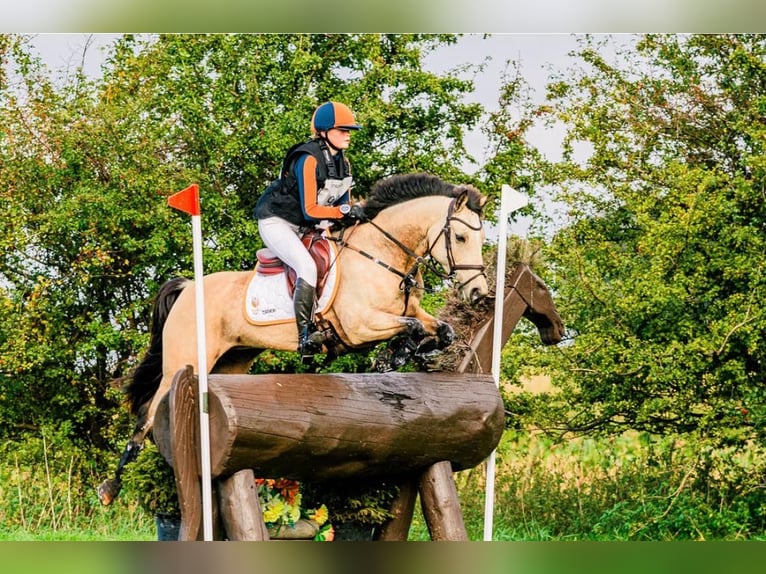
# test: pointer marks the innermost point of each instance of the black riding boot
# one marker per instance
(303, 301)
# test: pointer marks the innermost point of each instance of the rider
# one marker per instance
(314, 185)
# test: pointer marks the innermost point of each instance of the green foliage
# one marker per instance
(358, 501)
(658, 265)
(628, 487)
(47, 493)
(150, 481)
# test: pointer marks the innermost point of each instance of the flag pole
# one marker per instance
(187, 200)
(510, 201)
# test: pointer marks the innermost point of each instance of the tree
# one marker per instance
(87, 237)
(659, 269)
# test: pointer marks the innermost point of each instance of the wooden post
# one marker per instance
(184, 430)
(240, 508)
(440, 503)
(403, 507)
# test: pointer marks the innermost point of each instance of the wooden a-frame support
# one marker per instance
(438, 493)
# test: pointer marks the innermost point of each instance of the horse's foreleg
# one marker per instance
(401, 349)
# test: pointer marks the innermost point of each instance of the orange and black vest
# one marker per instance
(282, 197)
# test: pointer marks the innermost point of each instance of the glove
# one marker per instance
(352, 213)
(357, 212)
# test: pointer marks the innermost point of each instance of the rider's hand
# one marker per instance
(352, 213)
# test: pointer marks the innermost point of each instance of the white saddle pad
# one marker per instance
(267, 300)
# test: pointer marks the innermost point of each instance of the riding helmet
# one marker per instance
(333, 115)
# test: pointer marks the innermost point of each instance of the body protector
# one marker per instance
(282, 197)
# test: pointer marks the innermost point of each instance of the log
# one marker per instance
(240, 508)
(440, 504)
(326, 427)
(184, 429)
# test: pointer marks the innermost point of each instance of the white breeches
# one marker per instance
(281, 237)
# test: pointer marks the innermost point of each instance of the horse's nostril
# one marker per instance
(476, 295)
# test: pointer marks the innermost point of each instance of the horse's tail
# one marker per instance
(145, 379)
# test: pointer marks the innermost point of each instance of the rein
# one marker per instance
(408, 282)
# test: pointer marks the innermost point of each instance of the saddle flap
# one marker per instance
(319, 248)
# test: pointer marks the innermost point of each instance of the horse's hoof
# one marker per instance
(446, 334)
(108, 491)
(382, 362)
(382, 366)
(427, 346)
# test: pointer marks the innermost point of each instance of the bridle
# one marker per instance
(409, 278)
(446, 230)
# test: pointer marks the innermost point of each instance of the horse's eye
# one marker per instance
(460, 238)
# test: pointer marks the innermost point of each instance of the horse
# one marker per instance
(412, 222)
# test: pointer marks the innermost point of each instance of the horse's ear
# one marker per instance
(467, 195)
(462, 199)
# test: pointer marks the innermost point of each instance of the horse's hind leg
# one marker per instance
(109, 489)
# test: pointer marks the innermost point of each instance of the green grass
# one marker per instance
(631, 487)
(119, 523)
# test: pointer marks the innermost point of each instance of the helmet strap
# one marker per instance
(324, 146)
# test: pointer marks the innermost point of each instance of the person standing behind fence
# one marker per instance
(314, 185)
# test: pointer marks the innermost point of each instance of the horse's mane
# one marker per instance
(398, 188)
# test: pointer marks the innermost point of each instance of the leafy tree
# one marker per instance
(659, 268)
(87, 163)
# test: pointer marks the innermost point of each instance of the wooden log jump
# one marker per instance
(526, 295)
(325, 427)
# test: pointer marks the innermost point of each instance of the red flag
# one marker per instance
(186, 200)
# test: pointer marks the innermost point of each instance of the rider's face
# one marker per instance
(339, 139)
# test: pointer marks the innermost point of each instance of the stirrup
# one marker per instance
(309, 344)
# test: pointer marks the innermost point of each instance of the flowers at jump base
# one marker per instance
(280, 500)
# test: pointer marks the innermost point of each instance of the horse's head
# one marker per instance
(453, 239)
(457, 245)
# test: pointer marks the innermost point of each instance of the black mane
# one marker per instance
(403, 187)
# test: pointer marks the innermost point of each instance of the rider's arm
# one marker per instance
(306, 174)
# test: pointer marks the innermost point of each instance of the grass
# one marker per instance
(631, 487)
(122, 522)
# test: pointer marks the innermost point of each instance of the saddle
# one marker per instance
(318, 247)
